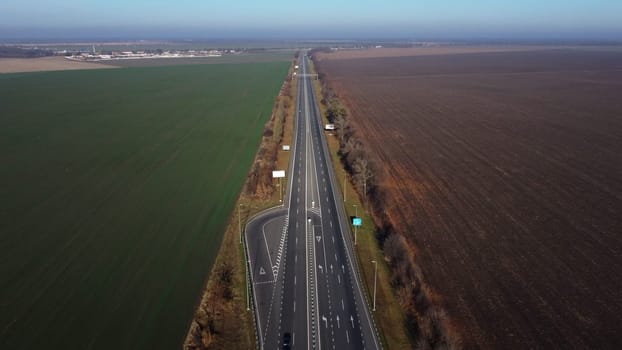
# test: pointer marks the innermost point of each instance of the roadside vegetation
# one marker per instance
(407, 312)
(222, 320)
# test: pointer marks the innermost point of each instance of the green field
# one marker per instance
(116, 186)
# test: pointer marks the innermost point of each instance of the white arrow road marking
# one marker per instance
(318, 238)
(331, 268)
(343, 268)
(325, 321)
(342, 306)
(338, 322)
(321, 268)
(352, 320)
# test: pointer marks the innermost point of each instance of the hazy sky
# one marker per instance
(313, 19)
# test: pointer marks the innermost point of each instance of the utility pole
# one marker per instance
(248, 291)
(375, 277)
(240, 222)
(345, 188)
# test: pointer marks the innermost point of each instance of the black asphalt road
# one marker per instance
(301, 254)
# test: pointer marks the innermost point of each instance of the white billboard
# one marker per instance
(285, 147)
(278, 173)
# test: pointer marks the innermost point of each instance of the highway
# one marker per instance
(305, 284)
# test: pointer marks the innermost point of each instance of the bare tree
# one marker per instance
(342, 126)
(362, 174)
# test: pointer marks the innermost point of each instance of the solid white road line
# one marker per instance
(263, 232)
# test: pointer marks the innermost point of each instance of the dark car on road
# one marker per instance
(287, 341)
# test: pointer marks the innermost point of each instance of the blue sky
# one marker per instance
(314, 19)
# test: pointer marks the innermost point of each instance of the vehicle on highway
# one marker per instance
(287, 341)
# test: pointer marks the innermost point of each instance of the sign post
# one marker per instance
(279, 174)
(356, 222)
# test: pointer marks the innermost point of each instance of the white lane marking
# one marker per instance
(294, 305)
(263, 232)
(265, 282)
(347, 337)
(339, 278)
(343, 306)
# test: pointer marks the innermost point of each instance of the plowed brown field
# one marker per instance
(505, 170)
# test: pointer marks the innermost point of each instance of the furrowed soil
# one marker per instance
(503, 169)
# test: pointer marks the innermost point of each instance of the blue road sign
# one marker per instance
(357, 221)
